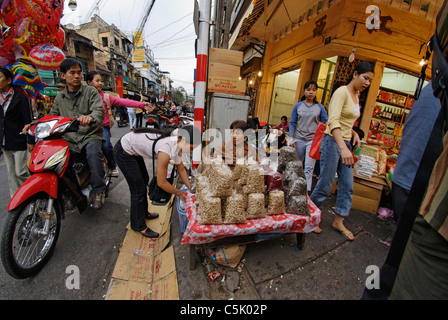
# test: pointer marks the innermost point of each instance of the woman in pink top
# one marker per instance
(94, 79)
(284, 124)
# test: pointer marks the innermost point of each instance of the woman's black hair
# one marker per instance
(284, 117)
(239, 124)
(69, 63)
(307, 84)
(191, 133)
(7, 73)
(362, 67)
(90, 75)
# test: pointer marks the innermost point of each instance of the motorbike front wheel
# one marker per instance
(25, 245)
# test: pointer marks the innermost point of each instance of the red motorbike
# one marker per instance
(166, 121)
(60, 181)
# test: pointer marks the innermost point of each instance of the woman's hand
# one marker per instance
(148, 107)
(181, 196)
(347, 157)
(356, 141)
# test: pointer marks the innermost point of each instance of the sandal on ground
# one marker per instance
(150, 215)
(149, 233)
(345, 233)
(317, 230)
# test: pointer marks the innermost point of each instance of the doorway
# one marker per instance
(283, 95)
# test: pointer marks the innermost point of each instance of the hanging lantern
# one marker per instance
(351, 58)
(72, 5)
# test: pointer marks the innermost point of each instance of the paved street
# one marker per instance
(329, 267)
(90, 241)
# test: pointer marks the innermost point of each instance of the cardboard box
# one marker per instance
(366, 193)
(226, 86)
(223, 71)
(231, 57)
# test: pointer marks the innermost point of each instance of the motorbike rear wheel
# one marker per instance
(24, 248)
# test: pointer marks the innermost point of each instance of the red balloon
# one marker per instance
(46, 57)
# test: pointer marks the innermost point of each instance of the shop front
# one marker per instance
(324, 41)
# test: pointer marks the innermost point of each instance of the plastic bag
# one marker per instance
(296, 188)
(276, 202)
(234, 211)
(221, 180)
(286, 155)
(315, 145)
(210, 210)
(298, 205)
(255, 206)
(202, 186)
(255, 179)
(273, 180)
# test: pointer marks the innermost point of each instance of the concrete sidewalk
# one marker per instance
(328, 268)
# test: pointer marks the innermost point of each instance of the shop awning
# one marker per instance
(102, 68)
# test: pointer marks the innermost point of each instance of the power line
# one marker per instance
(154, 46)
(169, 24)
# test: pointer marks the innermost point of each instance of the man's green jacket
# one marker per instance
(88, 102)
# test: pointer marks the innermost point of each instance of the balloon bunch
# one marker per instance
(32, 39)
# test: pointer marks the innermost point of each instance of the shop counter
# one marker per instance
(253, 230)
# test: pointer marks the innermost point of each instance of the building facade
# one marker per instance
(290, 42)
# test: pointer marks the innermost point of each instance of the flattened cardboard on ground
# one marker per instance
(165, 288)
(164, 264)
(134, 242)
(161, 224)
(128, 290)
(134, 267)
(144, 277)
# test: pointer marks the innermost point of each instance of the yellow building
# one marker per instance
(313, 40)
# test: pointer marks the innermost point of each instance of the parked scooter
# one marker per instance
(168, 120)
(59, 181)
(121, 116)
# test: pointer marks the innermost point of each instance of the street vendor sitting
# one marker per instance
(238, 147)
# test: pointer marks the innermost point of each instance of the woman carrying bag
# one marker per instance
(336, 149)
(130, 152)
(305, 118)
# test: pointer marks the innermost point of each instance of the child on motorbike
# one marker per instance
(95, 80)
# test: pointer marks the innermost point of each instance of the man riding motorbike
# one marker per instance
(84, 103)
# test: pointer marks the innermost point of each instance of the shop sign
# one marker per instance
(119, 83)
(50, 92)
(376, 22)
(320, 25)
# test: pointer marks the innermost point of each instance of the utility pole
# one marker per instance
(202, 61)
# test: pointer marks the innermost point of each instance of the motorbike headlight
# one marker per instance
(61, 128)
(57, 161)
(42, 130)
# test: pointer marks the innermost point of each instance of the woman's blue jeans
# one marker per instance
(330, 164)
(108, 149)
